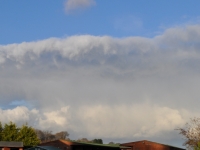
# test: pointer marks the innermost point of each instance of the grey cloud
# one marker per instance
(104, 80)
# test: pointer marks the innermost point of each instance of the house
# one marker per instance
(43, 148)
(10, 145)
(69, 145)
(148, 145)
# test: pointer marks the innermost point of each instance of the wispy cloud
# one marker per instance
(128, 23)
(71, 5)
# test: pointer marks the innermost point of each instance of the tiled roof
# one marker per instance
(11, 144)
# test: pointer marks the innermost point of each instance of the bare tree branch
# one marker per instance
(191, 133)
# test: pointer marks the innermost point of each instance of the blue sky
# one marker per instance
(36, 20)
(117, 70)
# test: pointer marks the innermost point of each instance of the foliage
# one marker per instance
(99, 141)
(47, 135)
(197, 147)
(62, 135)
(40, 135)
(28, 136)
(1, 129)
(191, 133)
(10, 132)
(25, 134)
(85, 140)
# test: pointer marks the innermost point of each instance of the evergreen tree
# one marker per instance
(28, 136)
(10, 132)
(1, 131)
(25, 134)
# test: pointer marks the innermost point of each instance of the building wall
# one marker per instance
(11, 148)
(5, 148)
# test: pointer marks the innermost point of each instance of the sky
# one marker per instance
(117, 70)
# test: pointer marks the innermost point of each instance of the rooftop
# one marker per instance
(11, 144)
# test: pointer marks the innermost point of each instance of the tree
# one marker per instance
(28, 136)
(40, 134)
(48, 136)
(25, 134)
(197, 147)
(1, 129)
(191, 133)
(99, 141)
(10, 132)
(61, 135)
(85, 140)
(112, 143)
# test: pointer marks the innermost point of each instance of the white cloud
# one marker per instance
(140, 120)
(56, 119)
(20, 115)
(100, 120)
(104, 81)
(50, 120)
(78, 4)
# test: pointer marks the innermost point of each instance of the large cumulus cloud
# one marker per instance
(101, 86)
